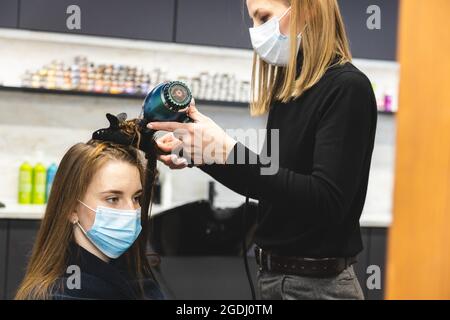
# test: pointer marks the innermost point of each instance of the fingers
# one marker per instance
(168, 126)
(194, 114)
(166, 147)
(173, 162)
(182, 135)
(168, 143)
(184, 110)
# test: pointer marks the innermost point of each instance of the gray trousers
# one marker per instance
(344, 286)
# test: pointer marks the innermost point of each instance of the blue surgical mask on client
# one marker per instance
(114, 231)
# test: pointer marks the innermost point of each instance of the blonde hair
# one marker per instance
(323, 40)
(75, 172)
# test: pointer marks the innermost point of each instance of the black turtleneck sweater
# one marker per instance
(100, 280)
(312, 205)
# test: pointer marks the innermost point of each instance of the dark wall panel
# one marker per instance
(202, 22)
(363, 260)
(135, 19)
(22, 234)
(377, 256)
(213, 22)
(3, 255)
(371, 44)
(8, 13)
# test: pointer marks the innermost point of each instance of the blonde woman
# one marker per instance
(92, 239)
(324, 108)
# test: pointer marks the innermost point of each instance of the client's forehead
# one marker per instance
(116, 175)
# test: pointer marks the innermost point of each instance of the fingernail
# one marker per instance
(150, 126)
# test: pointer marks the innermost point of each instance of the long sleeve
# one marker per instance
(343, 144)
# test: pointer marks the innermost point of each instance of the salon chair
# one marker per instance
(201, 251)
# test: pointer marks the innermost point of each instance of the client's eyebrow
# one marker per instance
(119, 192)
(112, 191)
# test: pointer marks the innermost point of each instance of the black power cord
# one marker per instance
(244, 248)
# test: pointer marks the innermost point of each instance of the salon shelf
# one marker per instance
(109, 95)
(15, 211)
(148, 55)
(389, 113)
(128, 96)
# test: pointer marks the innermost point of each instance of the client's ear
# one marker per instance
(73, 218)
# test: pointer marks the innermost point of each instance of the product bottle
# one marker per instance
(388, 101)
(39, 185)
(51, 171)
(25, 183)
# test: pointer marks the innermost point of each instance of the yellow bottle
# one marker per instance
(39, 184)
(25, 183)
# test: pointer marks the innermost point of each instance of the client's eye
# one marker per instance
(137, 199)
(113, 200)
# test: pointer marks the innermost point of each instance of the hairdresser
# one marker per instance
(324, 108)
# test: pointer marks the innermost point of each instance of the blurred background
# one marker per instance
(57, 82)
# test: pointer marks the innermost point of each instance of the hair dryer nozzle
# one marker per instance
(167, 101)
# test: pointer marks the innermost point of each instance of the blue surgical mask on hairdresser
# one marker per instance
(114, 231)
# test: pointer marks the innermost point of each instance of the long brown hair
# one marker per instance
(323, 40)
(76, 170)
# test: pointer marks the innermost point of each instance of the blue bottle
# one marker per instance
(51, 172)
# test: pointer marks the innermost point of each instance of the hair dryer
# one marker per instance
(165, 101)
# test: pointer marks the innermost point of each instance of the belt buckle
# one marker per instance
(262, 264)
(259, 252)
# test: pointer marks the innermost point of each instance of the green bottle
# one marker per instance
(25, 183)
(39, 184)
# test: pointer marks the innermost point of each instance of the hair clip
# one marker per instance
(115, 134)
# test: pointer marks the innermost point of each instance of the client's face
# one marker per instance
(115, 185)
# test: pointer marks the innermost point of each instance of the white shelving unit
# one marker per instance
(28, 50)
(22, 50)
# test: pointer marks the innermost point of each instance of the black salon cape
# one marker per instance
(101, 280)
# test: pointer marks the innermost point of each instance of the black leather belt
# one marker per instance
(306, 267)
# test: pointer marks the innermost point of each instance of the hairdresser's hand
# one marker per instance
(202, 141)
(166, 144)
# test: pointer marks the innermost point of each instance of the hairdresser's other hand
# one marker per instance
(202, 141)
(167, 143)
